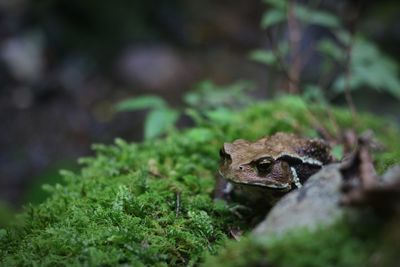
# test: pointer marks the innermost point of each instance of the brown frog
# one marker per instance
(269, 167)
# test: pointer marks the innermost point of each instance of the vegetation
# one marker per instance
(151, 204)
(206, 96)
(348, 60)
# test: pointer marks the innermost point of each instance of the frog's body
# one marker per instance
(272, 165)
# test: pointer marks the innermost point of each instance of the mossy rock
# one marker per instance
(150, 203)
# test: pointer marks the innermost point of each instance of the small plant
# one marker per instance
(160, 118)
(207, 97)
(349, 60)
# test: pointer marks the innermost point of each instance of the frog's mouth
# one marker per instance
(262, 184)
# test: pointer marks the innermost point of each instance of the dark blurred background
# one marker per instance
(64, 64)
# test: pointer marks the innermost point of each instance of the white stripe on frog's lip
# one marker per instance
(278, 186)
(273, 186)
(306, 160)
(296, 179)
(228, 188)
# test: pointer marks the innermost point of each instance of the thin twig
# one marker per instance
(294, 40)
(332, 118)
(278, 55)
(349, 48)
(178, 203)
(316, 123)
(347, 93)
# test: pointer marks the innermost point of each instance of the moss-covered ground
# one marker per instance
(150, 204)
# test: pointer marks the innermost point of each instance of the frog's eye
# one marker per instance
(264, 166)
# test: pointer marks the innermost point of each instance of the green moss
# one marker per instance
(150, 203)
(115, 211)
(6, 214)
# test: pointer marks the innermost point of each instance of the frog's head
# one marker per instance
(244, 163)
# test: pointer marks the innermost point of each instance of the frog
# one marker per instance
(261, 172)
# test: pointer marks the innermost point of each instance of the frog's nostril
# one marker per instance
(241, 168)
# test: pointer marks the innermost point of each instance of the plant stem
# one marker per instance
(347, 92)
(294, 42)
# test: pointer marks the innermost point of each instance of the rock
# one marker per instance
(316, 203)
(155, 67)
(391, 176)
(24, 56)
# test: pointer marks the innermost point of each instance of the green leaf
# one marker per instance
(370, 68)
(272, 17)
(209, 95)
(338, 152)
(221, 115)
(158, 121)
(200, 135)
(339, 84)
(279, 4)
(315, 93)
(331, 49)
(195, 115)
(343, 36)
(192, 99)
(262, 56)
(317, 17)
(324, 19)
(141, 102)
